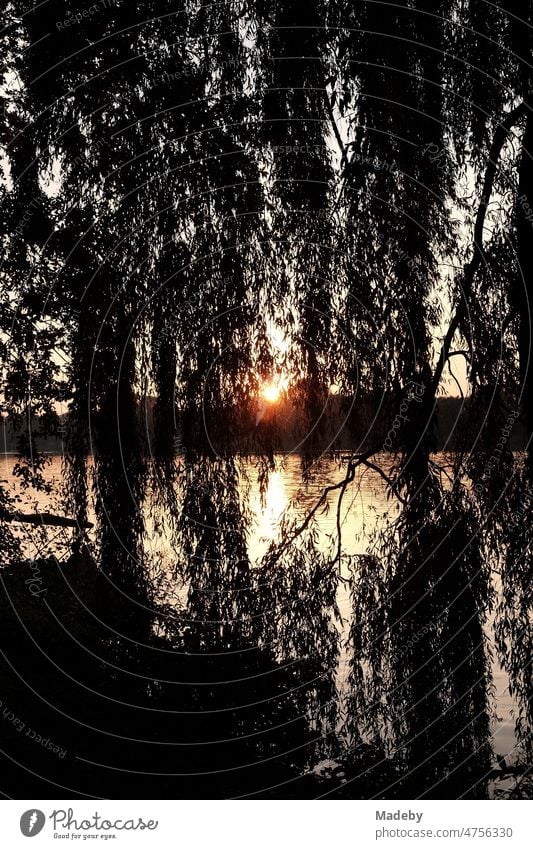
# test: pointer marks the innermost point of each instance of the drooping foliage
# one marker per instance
(340, 193)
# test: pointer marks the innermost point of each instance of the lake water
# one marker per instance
(364, 505)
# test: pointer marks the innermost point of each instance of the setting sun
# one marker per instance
(272, 390)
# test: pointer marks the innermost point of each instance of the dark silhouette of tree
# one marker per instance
(182, 184)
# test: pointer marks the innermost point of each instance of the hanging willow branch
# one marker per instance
(478, 255)
(44, 519)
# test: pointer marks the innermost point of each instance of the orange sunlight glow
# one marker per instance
(272, 391)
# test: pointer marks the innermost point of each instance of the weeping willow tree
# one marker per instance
(355, 178)
(422, 120)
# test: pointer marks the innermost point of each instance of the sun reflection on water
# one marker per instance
(268, 513)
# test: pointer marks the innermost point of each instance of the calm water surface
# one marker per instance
(363, 506)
